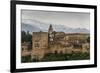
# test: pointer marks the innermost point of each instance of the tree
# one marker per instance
(26, 37)
(23, 36)
(88, 39)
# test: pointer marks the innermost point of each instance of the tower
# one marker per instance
(50, 35)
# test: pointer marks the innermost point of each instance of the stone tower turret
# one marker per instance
(50, 35)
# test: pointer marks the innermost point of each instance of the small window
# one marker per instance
(37, 45)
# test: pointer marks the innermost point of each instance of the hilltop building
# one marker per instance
(58, 42)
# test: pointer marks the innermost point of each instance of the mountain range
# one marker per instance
(36, 26)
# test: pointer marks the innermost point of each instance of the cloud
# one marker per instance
(70, 19)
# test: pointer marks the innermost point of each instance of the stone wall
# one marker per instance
(39, 44)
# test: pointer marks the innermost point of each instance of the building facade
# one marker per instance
(58, 42)
(39, 44)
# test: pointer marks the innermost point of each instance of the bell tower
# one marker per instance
(50, 35)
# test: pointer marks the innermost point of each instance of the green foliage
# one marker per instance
(26, 37)
(79, 56)
(58, 57)
(25, 59)
(62, 57)
(35, 60)
(54, 57)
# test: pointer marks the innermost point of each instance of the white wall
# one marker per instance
(5, 36)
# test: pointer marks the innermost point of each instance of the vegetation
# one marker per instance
(26, 36)
(58, 57)
(25, 59)
(61, 57)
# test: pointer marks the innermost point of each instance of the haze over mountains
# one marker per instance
(36, 26)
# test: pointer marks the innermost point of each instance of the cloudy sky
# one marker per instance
(69, 19)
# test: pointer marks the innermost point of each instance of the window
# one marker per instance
(36, 45)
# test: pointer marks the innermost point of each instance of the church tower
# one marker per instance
(50, 35)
